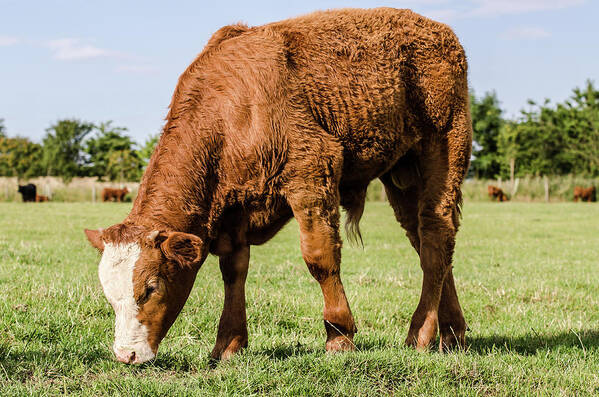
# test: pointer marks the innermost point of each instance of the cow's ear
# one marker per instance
(95, 238)
(183, 248)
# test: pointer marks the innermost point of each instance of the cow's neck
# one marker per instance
(176, 191)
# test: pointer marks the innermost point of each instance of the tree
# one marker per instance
(486, 126)
(112, 154)
(556, 140)
(148, 148)
(124, 165)
(63, 153)
(540, 142)
(507, 148)
(582, 128)
(20, 157)
(2, 129)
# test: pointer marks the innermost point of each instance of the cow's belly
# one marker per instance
(369, 155)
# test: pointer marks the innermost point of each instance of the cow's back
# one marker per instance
(377, 80)
(370, 83)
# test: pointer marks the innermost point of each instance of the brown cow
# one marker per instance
(585, 194)
(40, 199)
(496, 194)
(294, 119)
(110, 194)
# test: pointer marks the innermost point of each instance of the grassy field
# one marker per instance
(527, 275)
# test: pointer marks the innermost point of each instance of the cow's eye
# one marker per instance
(147, 293)
(149, 290)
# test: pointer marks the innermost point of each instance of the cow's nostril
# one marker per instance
(125, 355)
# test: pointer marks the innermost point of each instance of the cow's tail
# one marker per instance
(353, 204)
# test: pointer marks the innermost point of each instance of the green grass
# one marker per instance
(526, 273)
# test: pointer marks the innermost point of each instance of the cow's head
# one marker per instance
(146, 276)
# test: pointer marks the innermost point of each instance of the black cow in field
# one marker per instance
(28, 192)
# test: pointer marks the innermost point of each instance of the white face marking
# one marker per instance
(116, 277)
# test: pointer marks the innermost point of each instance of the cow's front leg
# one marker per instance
(232, 328)
(321, 249)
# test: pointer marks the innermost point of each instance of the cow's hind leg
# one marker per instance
(405, 204)
(232, 329)
(436, 235)
(438, 215)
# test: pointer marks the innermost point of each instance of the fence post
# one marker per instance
(546, 183)
(515, 187)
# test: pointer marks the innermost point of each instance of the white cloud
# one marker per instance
(6, 41)
(75, 49)
(504, 7)
(526, 32)
(494, 8)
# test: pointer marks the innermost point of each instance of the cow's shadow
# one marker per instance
(531, 343)
(534, 342)
(21, 365)
(283, 352)
(528, 344)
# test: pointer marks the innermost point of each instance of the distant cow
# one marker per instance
(295, 119)
(28, 192)
(585, 194)
(496, 193)
(41, 199)
(110, 194)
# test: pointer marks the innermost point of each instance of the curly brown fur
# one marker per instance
(295, 118)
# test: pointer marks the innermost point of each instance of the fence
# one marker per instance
(559, 188)
(527, 189)
(79, 189)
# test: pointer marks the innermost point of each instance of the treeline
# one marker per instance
(73, 148)
(545, 140)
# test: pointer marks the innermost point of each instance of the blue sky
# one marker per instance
(120, 60)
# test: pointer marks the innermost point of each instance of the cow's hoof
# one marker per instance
(422, 332)
(412, 341)
(340, 343)
(225, 352)
(452, 339)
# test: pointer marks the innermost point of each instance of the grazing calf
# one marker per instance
(41, 199)
(496, 194)
(28, 192)
(109, 194)
(585, 194)
(294, 119)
